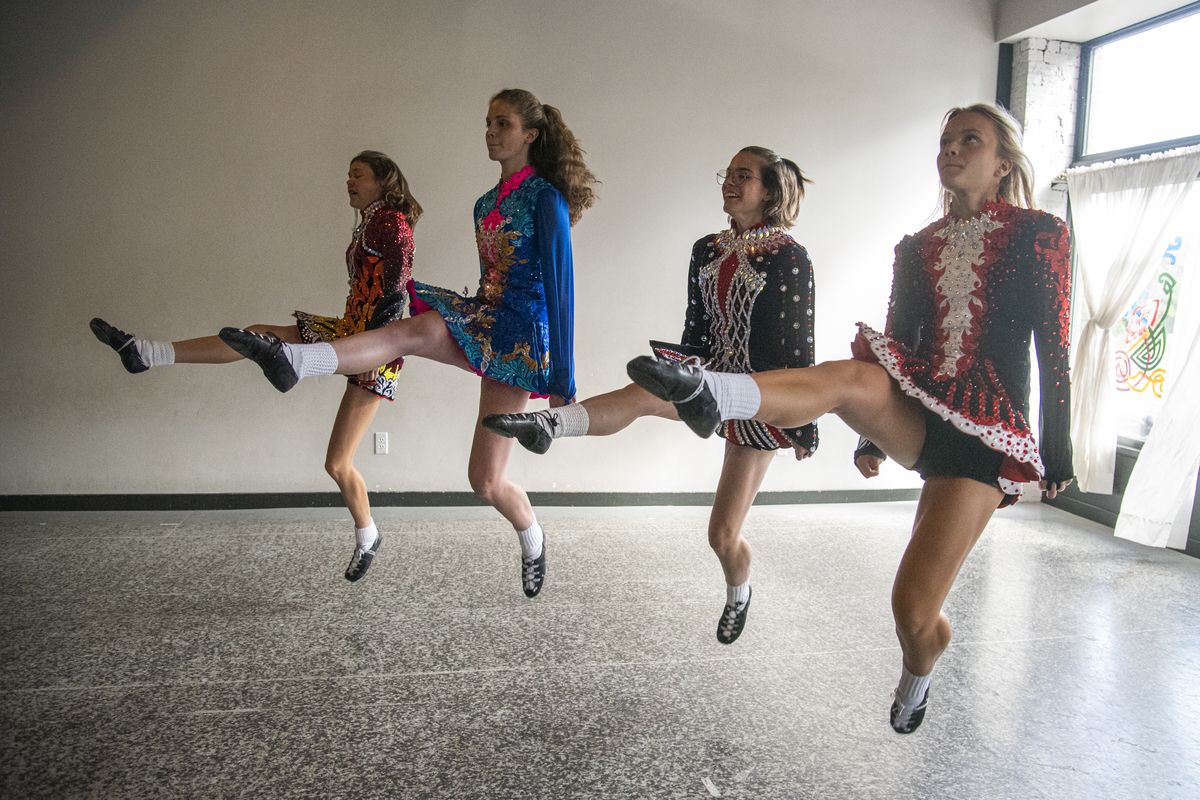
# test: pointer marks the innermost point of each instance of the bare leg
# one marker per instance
(951, 515)
(211, 350)
(489, 453)
(741, 476)
(425, 335)
(354, 416)
(862, 394)
(613, 411)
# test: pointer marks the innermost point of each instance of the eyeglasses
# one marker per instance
(736, 178)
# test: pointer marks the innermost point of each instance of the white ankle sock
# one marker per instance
(572, 420)
(737, 394)
(155, 354)
(531, 540)
(737, 595)
(311, 360)
(911, 687)
(365, 537)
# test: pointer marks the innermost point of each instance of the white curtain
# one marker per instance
(1121, 212)
(1157, 506)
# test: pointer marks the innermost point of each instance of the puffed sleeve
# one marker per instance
(553, 225)
(791, 317)
(903, 315)
(695, 316)
(1051, 337)
(388, 239)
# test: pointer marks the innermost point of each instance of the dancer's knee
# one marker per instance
(486, 485)
(339, 468)
(723, 539)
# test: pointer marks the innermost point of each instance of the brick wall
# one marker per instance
(1045, 80)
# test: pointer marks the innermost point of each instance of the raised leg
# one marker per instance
(862, 394)
(614, 411)
(425, 336)
(211, 350)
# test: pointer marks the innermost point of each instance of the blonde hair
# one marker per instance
(784, 183)
(1017, 186)
(555, 153)
(393, 183)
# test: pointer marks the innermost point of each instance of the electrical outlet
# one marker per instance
(381, 443)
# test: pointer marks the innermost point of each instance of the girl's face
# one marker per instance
(968, 162)
(507, 139)
(743, 191)
(362, 185)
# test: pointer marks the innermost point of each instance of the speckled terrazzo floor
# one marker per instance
(221, 654)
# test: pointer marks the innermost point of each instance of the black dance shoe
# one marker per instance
(733, 619)
(360, 559)
(534, 430)
(266, 350)
(682, 384)
(122, 342)
(906, 719)
(533, 573)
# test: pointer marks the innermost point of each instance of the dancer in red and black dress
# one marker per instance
(379, 268)
(750, 308)
(944, 390)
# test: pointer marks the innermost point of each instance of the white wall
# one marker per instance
(178, 167)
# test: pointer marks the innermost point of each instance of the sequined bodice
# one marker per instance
(729, 285)
(959, 286)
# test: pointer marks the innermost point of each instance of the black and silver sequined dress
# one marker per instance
(750, 309)
(966, 296)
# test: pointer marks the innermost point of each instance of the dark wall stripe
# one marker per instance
(217, 501)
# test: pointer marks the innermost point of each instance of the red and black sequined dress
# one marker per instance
(750, 309)
(966, 296)
(379, 265)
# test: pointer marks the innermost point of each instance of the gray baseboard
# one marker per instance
(220, 501)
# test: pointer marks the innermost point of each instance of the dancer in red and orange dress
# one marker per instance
(379, 265)
(944, 389)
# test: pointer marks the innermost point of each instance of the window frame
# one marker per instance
(1085, 86)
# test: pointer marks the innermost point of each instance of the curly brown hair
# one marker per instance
(395, 186)
(555, 153)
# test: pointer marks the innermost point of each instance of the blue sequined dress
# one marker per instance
(518, 327)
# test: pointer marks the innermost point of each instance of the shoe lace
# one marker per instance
(530, 572)
(730, 616)
(904, 712)
(694, 365)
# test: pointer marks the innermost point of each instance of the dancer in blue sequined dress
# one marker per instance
(516, 332)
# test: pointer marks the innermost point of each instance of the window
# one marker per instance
(1138, 88)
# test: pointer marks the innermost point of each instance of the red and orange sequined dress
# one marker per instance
(966, 296)
(379, 265)
(750, 309)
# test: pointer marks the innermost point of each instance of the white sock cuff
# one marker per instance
(911, 688)
(531, 540)
(155, 354)
(366, 536)
(737, 394)
(736, 595)
(312, 360)
(573, 420)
